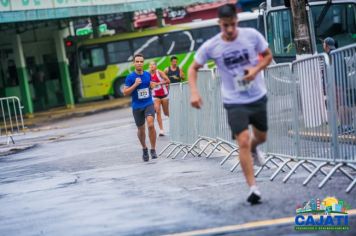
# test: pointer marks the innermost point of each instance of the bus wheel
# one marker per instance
(119, 85)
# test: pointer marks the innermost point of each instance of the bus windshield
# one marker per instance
(339, 23)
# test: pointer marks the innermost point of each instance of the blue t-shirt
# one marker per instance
(141, 97)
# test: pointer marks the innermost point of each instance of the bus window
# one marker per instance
(338, 23)
(279, 36)
(277, 3)
(119, 52)
(178, 42)
(92, 59)
(248, 23)
(98, 57)
(150, 47)
(203, 34)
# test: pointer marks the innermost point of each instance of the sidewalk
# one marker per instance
(83, 109)
(41, 119)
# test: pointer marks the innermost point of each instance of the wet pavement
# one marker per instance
(85, 176)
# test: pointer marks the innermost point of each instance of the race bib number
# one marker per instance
(143, 93)
(242, 85)
(157, 87)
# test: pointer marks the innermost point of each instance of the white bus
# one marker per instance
(332, 18)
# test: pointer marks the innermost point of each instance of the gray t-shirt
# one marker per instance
(232, 58)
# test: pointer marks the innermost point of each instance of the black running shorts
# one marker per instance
(241, 115)
(161, 97)
(141, 114)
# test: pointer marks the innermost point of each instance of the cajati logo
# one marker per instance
(327, 214)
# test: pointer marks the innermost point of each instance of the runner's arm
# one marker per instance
(263, 63)
(195, 98)
(153, 84)
(181, 74)
(266, 60)
(129, 90)
(164, 76)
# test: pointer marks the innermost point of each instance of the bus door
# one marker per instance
(94, 81)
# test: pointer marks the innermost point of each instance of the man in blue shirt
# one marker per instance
(138, 84)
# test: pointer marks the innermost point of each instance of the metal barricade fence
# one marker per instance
(280, 87)
(208, 88)
(318, 126)
(176, 120)
(222, 126)
(224, 136)
(11, 118)
(309, 100)
(343, 66)
(280, 111)
(297, 114)
(303, 120)
(188, 127)
(314, 125)
(212, 127)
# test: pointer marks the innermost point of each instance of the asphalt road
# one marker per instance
(85, 176)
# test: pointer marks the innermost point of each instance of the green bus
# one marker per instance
(104, 63)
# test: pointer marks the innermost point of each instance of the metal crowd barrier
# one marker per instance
(343, 66)
(193, 131)
(11, 120)
(304, 120)
(311, 114)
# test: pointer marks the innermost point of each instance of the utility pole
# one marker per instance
(302, 38)
(160, 19)
(129, 18)
(95, 26)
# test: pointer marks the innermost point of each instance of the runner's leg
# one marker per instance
(151, 131)
(158, 111)
(258, 138)
(243, 141)
(141, 134)
(165, 106)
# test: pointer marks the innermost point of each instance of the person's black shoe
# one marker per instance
(153, 154)
(254, 197)
(145, 155)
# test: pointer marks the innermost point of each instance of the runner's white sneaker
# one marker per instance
(258, 158)
(254, 197)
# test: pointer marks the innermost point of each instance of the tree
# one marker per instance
(302, 38)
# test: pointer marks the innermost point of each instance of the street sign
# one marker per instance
(89, 30)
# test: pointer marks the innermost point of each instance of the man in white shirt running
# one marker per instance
(236, 53)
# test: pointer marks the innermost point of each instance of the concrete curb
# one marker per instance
(12, 149)
(48, 117)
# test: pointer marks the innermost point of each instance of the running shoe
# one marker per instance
(145, 155)
(153, 154)
(254, 196)
(258, 158)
